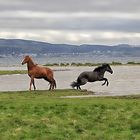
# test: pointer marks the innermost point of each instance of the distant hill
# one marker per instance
(19, 46)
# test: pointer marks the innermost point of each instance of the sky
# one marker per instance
(107, 22)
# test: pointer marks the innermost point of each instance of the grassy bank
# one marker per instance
(9, 72)
(114, 63)
(42, 115)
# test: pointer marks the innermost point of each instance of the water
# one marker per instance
(69, 58)
(124, 81)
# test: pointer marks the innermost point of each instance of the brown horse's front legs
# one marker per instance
(32, 82)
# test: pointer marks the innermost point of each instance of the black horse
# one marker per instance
(91, 76)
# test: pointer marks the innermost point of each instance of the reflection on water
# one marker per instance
(125, 80)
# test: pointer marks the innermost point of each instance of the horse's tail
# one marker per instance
(74, 84)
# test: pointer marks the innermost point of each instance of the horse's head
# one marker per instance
(26, 59)
(108, 68)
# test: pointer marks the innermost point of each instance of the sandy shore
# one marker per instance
(124, 81)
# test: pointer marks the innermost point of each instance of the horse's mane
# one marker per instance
(98, 69)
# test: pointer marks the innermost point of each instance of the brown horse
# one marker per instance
(36, 71)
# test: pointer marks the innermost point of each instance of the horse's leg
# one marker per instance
(31, 82)
(79, 87)
(106, 81)
(34, 84)
(50, 86)
(81, 82)
(30, 85)
(50, 83)
(53, 84)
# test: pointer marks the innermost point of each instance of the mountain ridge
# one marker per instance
(22, 46)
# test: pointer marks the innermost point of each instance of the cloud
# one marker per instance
(75, 37)
(70, 21)
(75, 21)
(71, 5)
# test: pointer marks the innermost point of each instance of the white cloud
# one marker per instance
(70, 21)
(21, 14)
(79, 37)
(73, 21)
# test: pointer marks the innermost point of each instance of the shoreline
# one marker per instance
(23, 70)
(124, 81)
(83, 94)
(75, 64)
(63, 67)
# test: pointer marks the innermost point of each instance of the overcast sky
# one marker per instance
(71, 21)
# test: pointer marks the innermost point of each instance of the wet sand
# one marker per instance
(124, 81)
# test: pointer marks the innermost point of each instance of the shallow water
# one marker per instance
(124, 81)
(72, 57)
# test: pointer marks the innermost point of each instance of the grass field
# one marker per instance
(7, 72)
(42, 115)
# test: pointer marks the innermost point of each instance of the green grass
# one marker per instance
(9, 72)
(42, 115)
(113, 63)
(133, 63)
